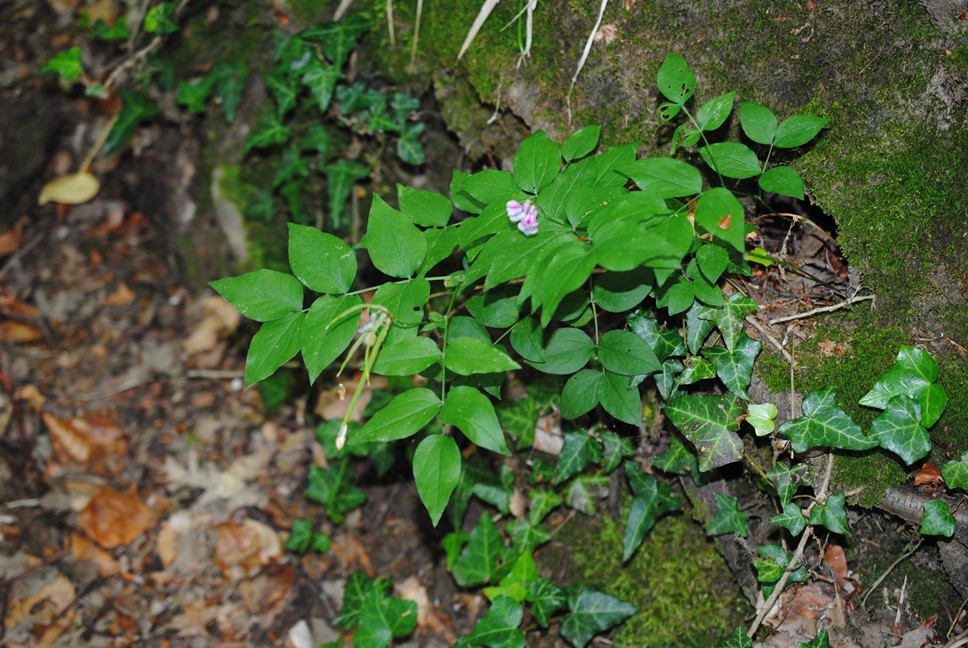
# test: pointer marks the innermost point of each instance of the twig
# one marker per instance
(393, 37)
(584, 56)
(954, 621)
(416, 35)
(959, 641)
(140, 54)
(797, 554)
(863, 601)
(755, 323)
(824, 309)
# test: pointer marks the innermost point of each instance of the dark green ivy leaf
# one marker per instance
(820, 641)
(710, 423)
(483, 555)
(593, 612)
(791, 519)
(937, 520)
(824, 424)
(650, 499)
(735, 368)
(546, 598)
(578, 451)
(899, 430)
(787, 480)
(738, 640)
(333, 488)
(499, 627)
(728, 518)
(831, 514)
(955, 473)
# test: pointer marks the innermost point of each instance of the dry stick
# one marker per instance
(416, 35)
(393, 37)
(824, 309)
(752, 320)
(954, 621)
(798, 554)
(863, 602)
(584, 56)
(140, 54)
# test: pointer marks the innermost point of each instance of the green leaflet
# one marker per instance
(406, 415)
(276, 343)
(536, 163)
(396, 246)
(731, 159)
(675, 80)
(473, 414)
(581, 143)
(625, 353)
(328, 330)
(467, 356)
(263, 295)
(436, 471)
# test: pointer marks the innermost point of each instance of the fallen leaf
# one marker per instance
(836, 560)
(219, 320)
(10, 240)
(14, 332)
(122, 296)
(351, 553)
(42, 599)
(73, 189)
(245, 547)
(93, 440)
(929, 474)
(32, 396)
(410, 589)
(83, 549)
(113, 520)
(268, 593)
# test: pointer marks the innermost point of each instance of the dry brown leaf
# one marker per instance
(113, 519)
(929, 474)
(83, 549)
(42, 599)
(269, 593)
(836, 560)
(410, 589)
(106, 10)
(73, 189)
(122, 296)
(351, 553)
(14, 332)
(219, 320)
(32, 396)
(10, 240)
(244, 547)
(93, 440)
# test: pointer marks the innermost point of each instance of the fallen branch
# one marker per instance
(863, 602)
(824, 309)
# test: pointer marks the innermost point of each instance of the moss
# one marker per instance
(685, 594)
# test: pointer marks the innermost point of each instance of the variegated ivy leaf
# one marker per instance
(710, 422)
(761, 418)
(579, 450)
(912, 374)
(787, 480)
(824, 424)
(738, 639)
(728, 518)
(615, 448)
(729, 318)
(735, 368)
(899, 430)
(937, 520)
(831, 514)
(791, 519)
(955, 473)
(678, 459)
(820, 641)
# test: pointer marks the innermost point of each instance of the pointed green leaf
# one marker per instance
(787, 480)
(468, 356)
(321, 261)
(482, 556)
(791, 519)
(932, 401)
(404, 416)
(820, 641)
(337, 39)
(937, 520)
(496, 308)
(515, 584)
(710, 423)
(615, 449)
(714, 112)
(675, 80)
(67, 64)
(395, 245)
(593, 612)
(728, 518)
(424, 208)
(678, 459)
(473, 414)
(625, 353)
(738, 640)
(651, 498)
(831, 514)
(955, 473)
(782, 180)
(620, 398)
(276, 343)
(405, 300)
(321, 81)
(407, 356)
(761, 417)
(617, 292)
(797, 130)
(499, 627)
(735, 368)
(472, 193)
(581, 143)
(722, 215)
(333, 487)
(578, 451)
(663, 342)
(910, 375)
(354, 593)
(269, 132)
(263, 295)
(546, 598)
(324, 337)
(899, 430)
(731, 159)
(698, 328)
(160, 19)
(665, 177)
(758, 122)
(537, 162)
(713, 261)
(436, 471)
(567, 351)
(580, 394)
(824, 424)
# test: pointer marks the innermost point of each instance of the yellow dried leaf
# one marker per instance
(74, 189)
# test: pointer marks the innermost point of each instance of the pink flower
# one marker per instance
(525, 215)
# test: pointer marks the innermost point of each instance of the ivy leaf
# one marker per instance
(824, 424)
(664, 177)
(537, 162)
(567, 351)
(337, 39)
(333, 488)
(782, 180)
(955, 473)
(663, 342)
(321, 80)
(436, 471)
(263, 295)
(583, 491)
(482, 556)
(546, 598)
(758, 122)
(160, 19)
(321, 261)
(728, 518)
(615, 449)
(797, 130)
(194, 95)
(731, 159)
(627, 354)
(395, 245)
(912, 374)
(791, 519)
(714, 112)
(407, 356)
(302, 538)
(932, 401)
(324, 336)
(404, 416)
(340, 177)
(698, 327)
(620, 398)
(820, 641)
(66, 64)
(542, 502)
(722, 215)
(269, 132)
(526, 536)
(735, 368)
(696, 369)
(580, 394)
(831, 514)
(761, 417)
(581, 143)
(515, 583)
(283, 89)
(354, 593)
(467, 356)
(899, 430)
(651, 498)
(738, 640)
(136, 107)
(675, 80)
(787, 480)
(710, 423)
(499, 627)
(382, 618)
(276, 343)
(473, 414)
(937, 520)
(578, 451)
(593, 612)
(519, 419)
(678, 459)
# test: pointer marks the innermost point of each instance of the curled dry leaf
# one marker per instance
(73, 189)
(92, 440)
(410, 589)
(246, 546)
(269, 593)
(929, 475)
(113, 519)
(836, 561)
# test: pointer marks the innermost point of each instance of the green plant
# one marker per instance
(605, 273)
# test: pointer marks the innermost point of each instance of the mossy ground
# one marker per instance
(685, 593)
